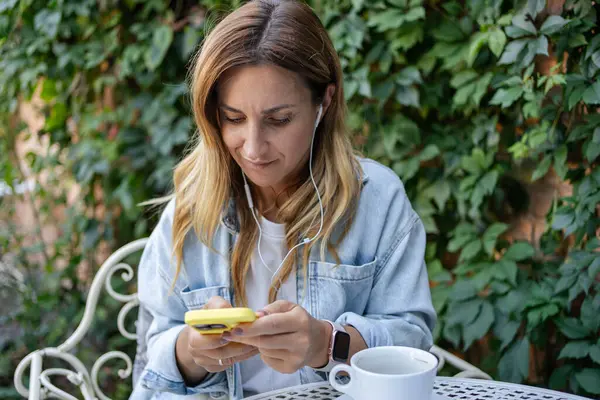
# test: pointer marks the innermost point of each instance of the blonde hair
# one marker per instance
(287, 34)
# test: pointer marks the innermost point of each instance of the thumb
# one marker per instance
(217, 302)
(280, 306)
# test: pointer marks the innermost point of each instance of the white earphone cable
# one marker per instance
(306, 240)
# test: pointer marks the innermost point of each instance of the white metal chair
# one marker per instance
(40, 385)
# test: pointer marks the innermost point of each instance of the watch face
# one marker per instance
(341, 347)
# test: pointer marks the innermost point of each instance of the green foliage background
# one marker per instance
(449, 94)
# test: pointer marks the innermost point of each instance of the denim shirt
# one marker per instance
(380, 287)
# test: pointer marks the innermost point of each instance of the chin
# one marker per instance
(262, 180)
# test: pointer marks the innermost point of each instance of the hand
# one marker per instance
(287, 336)
(205, 351)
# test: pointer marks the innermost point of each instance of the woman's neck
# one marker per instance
(270, 200)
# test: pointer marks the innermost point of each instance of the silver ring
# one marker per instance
(221, 362)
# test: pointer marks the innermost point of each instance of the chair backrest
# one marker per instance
(87, 380)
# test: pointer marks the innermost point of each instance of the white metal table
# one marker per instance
(444, 388)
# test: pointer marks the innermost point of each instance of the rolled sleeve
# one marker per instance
(162, 374)
(167, 310)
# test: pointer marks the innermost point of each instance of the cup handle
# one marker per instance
(344, 388)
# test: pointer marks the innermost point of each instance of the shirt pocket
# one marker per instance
(338, 288)
(197, 298)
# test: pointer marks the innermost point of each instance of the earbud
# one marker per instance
(306, 240)
(319, 114)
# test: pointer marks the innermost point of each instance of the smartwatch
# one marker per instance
(339, 347)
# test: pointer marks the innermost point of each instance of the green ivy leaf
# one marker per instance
(538, 315)
(595, 353)
(592, 150)
(458, 242)
(508, 270)
(470, 250)
(589, 315)
(553, 24)
(589, 379)
(519, 251)
(58, 117)
(440, 193)
(560, 162)
(542, 45)
(534, 7)
(561, 221)
(429, 152)
(594, 268)
(572, 328)
(480, 325)
(47, 22)
(408, 76)
(437, 273)
(191, 38)
(491, 236)
(514, 364)
(564, 283)
(439, 297)
(7, 5)
(406, 169)
(521, 27)
(513, 301)
(464, 312)
(498, 287)
(592, 94)
(477, 42)
(161, 41)
(505, 97)
(49, 91)
(497, 41)
(506, 330)
(408, 96)
(452, 334)
(542, 169)
(512, 51)
(463, 290)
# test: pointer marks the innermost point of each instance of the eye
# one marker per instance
(234, 120)
(280, 121)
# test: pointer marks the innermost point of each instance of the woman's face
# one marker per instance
(267, 118)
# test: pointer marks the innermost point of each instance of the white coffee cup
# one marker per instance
(388, 373)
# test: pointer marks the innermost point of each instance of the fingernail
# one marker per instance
(262, 313)
(237, 331)
(225, 337)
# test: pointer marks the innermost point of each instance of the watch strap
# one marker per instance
(335, 327)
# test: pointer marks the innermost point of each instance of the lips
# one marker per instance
(258, 164)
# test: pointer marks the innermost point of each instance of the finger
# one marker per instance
(280, 341)
(216, 302)
(200, 342)
(278, 364)
(231, 351)
(212, 365)
(269, 325)
(279, 306)
(279, 354)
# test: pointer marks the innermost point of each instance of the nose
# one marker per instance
(255, 145)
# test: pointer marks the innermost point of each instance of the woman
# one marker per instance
(272, 210)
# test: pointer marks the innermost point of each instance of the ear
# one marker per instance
(329, 92)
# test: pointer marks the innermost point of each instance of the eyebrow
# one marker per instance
(267, 111)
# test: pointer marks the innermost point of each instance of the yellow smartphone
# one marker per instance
(219, 320)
